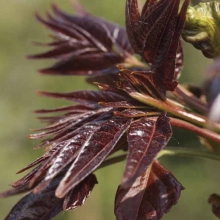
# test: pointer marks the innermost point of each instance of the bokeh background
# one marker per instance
(19, 81)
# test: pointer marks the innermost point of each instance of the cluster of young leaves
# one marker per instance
(127, 114)
(202, 28)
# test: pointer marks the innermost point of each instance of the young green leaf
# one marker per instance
(202, 28)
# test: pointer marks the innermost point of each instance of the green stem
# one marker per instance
(180, 151)
(193, 118)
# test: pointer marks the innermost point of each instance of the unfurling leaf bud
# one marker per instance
(202, 28)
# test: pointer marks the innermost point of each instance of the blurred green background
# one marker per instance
(18, 83)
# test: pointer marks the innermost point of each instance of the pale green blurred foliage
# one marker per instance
(19, 81)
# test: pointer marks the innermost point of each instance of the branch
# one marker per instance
(188, 98)
(173, 110)
(195, 129)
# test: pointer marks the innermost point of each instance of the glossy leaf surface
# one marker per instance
(45, 206)
(65, 127)
(155, 35)
(123, 115)
(66, 155)
(145, 82)
(77, 196)
(146, 138)
(93, 152)
(150, 197)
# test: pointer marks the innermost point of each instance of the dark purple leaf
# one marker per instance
(37, 206)
(84, 39)
(27, 178)
(140, 26)
(146, 10)
(70, 131)
(115, 87)
(108, 76)
(170, 62)
(68, 123)
(68, 111)
(16, 191)
(214, 200)
(64, 148)
(132, 23)
(122, 104)
(62, 125)
(145, 82)
(74, 108)
(78, 195)
(93, 152)
(87, 97)
(64, 156)
(155, 35)
(135, 113)
(44, 205)
(146, 138)
(47, 155)
(151, 196)
(84, 65)
(104, 31)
